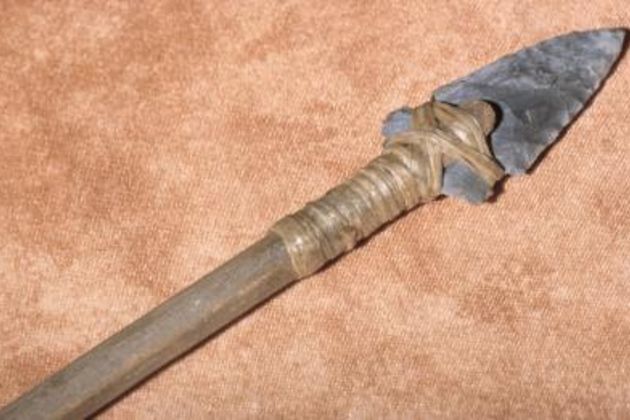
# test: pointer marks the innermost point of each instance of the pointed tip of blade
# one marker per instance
(539, 90)
(610, 41)
(616, 34)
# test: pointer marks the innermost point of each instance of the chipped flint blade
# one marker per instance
(538, 90)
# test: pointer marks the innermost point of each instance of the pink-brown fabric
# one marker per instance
(143, 143)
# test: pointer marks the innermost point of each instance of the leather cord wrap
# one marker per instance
(407, 173)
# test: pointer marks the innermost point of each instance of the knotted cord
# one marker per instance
(407, 173)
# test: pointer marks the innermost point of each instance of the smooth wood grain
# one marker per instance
(183, 321)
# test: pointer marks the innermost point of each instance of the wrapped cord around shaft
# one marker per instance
(407, 173)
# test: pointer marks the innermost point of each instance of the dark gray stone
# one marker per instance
(397, 121)
(460, 180)
(539, 90)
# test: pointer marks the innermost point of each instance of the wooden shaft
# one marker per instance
(327, 226)
(177, 325)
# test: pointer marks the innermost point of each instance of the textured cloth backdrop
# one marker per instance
(143, 144)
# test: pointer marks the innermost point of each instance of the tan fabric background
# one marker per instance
(143, 143)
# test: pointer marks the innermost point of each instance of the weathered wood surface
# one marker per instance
(250, 278)
(183, 321)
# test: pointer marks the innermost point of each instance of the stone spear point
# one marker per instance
(522, 102)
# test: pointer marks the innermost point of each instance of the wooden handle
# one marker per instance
(183, 321)
(408, 173)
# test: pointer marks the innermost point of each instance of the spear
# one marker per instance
(474, 131)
